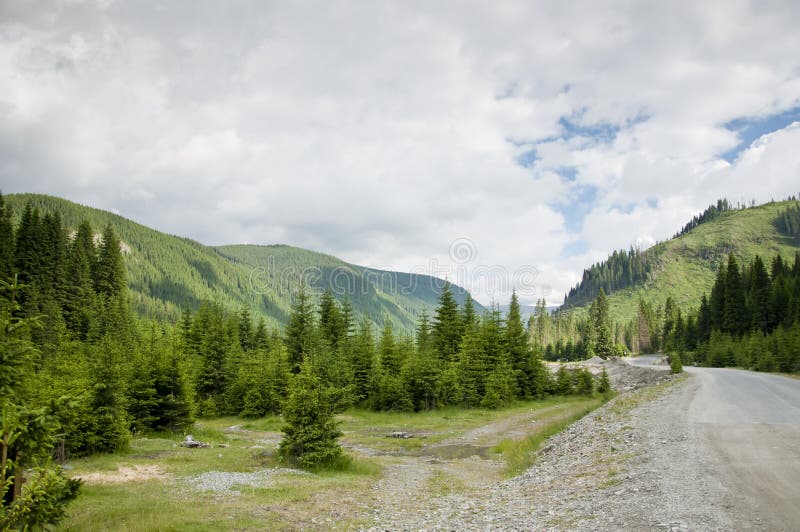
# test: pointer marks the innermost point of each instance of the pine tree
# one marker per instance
(516, 341)
(603, 343)
(472, 368)
(79, 296)
(716, 302)
(389, 352)
(447, 326)
(362, 355)
(331, 322)
(27, 247)
(494, 339)
(109, 428)
(584, 384)
(760, 289)
(109, 278)
(604, 386)
(27, 433)
(703, 320)
(500, 387)
(310, 434)
(300, 330)
(174, 407)
(469, 318)
(7, 244)
(245, 330)
(214, 349)
(734, 317)
(563, 382)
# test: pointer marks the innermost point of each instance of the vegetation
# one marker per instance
(685, 267)
(104, 375)
(788, 221)
(751, 318)
(167, 274)
(712, 212)
(621, 270)
(27, 433)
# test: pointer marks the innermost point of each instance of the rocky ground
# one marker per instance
(633, 464)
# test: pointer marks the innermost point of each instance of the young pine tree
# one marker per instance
(447, 326)
(310, 434)
(601, 326)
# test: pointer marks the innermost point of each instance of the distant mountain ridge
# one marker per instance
(684, 266)
(167, 273)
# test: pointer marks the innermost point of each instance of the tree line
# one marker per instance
(788, 221)
(620, 270)
(750, 319)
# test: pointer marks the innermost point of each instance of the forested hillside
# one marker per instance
(685, 267)
(168, 273)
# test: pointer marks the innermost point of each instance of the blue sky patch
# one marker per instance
(567, 172)
(598, 132)
(527, 158)
(750, 129)
(625, 208)
(577, 247)
(582, 199)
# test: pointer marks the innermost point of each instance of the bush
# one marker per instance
(604, 386)
(675, 364)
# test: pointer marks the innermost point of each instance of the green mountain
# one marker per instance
(684, 267)
(167, 273)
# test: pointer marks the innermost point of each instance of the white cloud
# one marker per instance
(380, 132)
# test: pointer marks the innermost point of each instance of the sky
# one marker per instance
(503, 145)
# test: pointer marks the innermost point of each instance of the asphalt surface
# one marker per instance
(751, 421)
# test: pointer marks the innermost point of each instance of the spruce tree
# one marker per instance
(311, 433)
(7, 243)
(734, 312)
(516, 341)
(299, 334)
(602, 340)
(472, 368)
(604, 386)
(391, 358)
(27, 432)
(27, 248)
(109, 279)
(760, 289)
(79, 296)
(469, 318)
(331, 322)
(362, 356)
(447, 326)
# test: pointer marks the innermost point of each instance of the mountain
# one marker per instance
(684, 267)
(167, 273)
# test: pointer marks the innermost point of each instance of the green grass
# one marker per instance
(169, 502)
(163, 498)
(520, 454)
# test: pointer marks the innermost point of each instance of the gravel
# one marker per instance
(633, 464)
(224, 482)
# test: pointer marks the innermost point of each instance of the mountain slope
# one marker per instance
(167, 273)
(685, 266)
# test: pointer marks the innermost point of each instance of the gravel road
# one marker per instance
(716, 450)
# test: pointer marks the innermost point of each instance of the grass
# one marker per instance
(171, 503)
(163, 497)
(520, 454)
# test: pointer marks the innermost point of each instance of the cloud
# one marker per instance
(382, 132)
